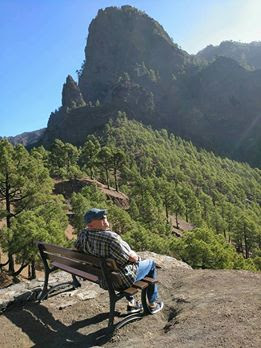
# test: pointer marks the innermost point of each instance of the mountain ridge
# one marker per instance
(132, 65)
(26, 138)
(246, 54)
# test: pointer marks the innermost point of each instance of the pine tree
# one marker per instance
(24, 185)
(105, 162)
(89, 154)
(63, 160)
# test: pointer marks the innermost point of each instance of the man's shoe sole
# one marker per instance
(158, 309)
(134, 311)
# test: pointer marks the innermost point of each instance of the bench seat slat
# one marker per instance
(130, 291)
(75, 265)
(70, 253)
(77, 272)
(140, 284)
(150, 280)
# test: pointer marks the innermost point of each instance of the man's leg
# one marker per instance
(148, 268)
(133, 305)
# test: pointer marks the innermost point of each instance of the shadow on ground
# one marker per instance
(44, 330)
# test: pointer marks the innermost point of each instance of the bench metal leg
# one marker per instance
(44, 293)
(144, 301)
(131, 317)
(75, 282)
(128, 319)
(112, 311)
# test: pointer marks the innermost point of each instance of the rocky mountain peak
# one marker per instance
(71, 94)
(120, 40)
(132, 65)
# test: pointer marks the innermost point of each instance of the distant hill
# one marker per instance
(246, 54)
(27, 138)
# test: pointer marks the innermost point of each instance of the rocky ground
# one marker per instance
(203, 308)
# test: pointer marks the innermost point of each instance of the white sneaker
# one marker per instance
(134, 308)
(157, 306)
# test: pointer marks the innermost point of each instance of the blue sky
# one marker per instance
(42, 41)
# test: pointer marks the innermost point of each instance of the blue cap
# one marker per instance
(94, 214)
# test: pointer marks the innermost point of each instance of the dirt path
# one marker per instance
(203, 308)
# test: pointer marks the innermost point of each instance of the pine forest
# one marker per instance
(167, 183)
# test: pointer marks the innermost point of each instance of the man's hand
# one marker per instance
(133, 257)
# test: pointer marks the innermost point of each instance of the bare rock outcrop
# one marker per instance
(163, 261)
(203, 308)
(71, 94)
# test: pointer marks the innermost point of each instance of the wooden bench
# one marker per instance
(91, 268)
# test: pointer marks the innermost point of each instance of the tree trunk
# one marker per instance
(205, 210)
(107, 178)
(167, 212)
(15, 274)
(10, 263)
(33, 273)
(4, 264)
(29, 272)
(246, 243)
(92, 174)
(8, 219)
(115, 179)
(186, 215)
(239, 248)
(177, 222)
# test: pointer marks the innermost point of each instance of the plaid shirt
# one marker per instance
(109, 244)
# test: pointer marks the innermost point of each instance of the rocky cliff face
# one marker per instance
(71, 94)
(125, 40)
(132, 65)
(228, 105)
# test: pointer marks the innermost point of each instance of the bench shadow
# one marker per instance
(44, 330)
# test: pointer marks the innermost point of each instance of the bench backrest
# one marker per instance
(75, 262)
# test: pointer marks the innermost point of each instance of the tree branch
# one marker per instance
(23, 265)
(2, 192)
(19, 199)
(14, 192)
(4, 264)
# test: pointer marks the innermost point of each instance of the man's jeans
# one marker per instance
(148, 268)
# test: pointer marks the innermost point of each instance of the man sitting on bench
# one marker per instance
(98, 240)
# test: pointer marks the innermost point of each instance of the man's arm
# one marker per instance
(133, 257)
(121, 251)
